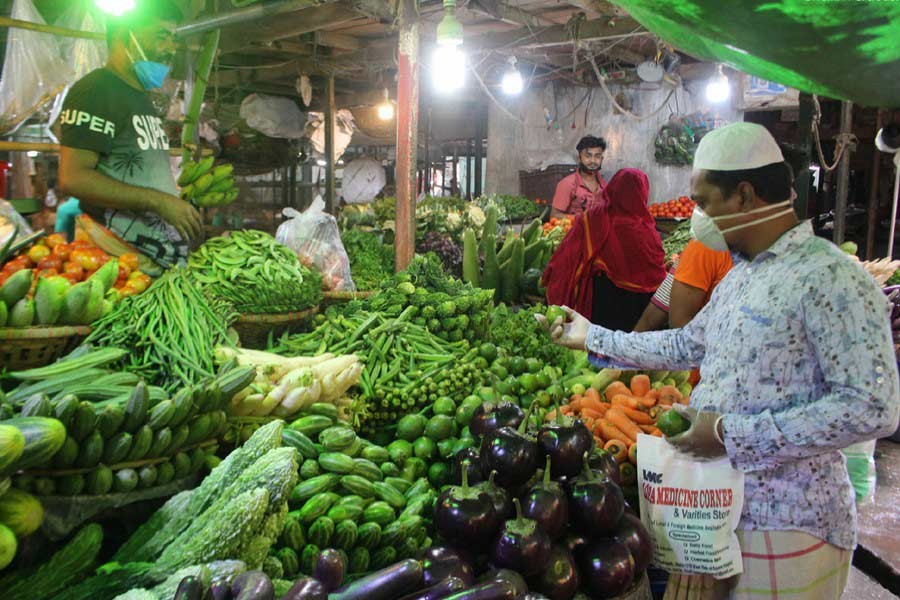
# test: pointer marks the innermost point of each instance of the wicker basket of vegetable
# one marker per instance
(27, 347)
(254, 330)
(329, 298)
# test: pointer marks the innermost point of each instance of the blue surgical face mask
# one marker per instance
(150, 74)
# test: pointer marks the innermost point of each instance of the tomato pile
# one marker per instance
(565, 224)
(681, 208)
(76, 261)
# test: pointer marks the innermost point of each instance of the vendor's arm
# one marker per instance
(686, 302)
(656, 315)
(562, 200)
(78, 177)
(848, 327)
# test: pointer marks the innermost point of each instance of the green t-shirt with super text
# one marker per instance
(105, 115)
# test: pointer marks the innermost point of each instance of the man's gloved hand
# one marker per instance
(700, 441)
(571, 333)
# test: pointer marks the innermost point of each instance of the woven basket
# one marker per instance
(254, 330)
(29, 347)
(329, 298)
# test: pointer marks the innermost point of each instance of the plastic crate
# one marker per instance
(541, 185)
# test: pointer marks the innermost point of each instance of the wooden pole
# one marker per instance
(426, 187)
(843, 176)
(330, 159)
(872, 208)
(51, 29)
(479, 151)
(407, 132)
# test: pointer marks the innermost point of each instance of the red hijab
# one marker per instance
(617, 237)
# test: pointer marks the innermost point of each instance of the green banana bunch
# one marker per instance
(206, 186)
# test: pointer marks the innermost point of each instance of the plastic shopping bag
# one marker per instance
(861, 467)
(691, 510)
(314, 236)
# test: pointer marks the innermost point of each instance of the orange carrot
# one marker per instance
(550, 416)
(608, 431)
(617, 449)
(621, 420)
(575, 403)
(589, 423)
(614, 389)
(657, 432)
(566, 410)
(639, 417)
(590, 413)
(592, 403)
(647, 401)
(623, 400)
(670, 391)
(640, 385)
(591, 395)
(632, 454)
(685, 400)
(667, 401)
(647, 428)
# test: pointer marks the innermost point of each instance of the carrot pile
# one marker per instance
(621, 413)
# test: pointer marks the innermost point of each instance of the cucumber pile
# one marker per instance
(75, 446)
(371, 503)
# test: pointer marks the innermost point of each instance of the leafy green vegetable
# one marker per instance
(675, 242)
(519, 334)
(370, 260)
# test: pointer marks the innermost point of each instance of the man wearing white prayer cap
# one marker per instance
(797, 362)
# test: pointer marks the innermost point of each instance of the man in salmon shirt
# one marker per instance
(583, 188)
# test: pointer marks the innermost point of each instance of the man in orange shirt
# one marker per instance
(582, 189)
(687, 288)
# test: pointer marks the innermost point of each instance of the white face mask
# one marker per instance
(705, 230)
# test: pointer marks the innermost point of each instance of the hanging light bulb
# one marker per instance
(512, 83)
(116, 8)
(718, 89)
(449, 63)
(386, 108)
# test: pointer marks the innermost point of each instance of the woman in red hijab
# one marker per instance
(612, 261)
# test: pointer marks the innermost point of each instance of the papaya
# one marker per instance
(15, 288)
(107, 274)
(48, 301)
(74, 303)
(22, 313)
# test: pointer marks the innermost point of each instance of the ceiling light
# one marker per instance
(32, 154)
(321, 163)
(386, 108)
(448, 68)
(449, 30)
(718, 89)
(116, 8)
(512, 83)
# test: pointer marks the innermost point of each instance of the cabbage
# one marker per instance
(21, 512)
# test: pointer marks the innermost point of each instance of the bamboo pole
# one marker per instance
(6, 146)
(51, 29)
(201, 78)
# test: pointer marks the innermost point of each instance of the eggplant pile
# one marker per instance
(546, 513)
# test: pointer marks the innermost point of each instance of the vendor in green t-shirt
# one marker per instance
(115, 153)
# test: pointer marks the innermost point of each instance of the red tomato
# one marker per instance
(123, 272)
(55, 239)
(139, 281)
(130, 261)
(127, 290)
(3, 277)
(72, 277)
(62, 251)
(88, 259)
(74, 269)
(50, 262)
(81, 245)
(45, 273)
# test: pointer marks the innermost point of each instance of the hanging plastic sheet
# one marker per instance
(844, 50)
(34, 72)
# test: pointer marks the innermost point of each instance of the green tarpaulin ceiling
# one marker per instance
(848, 49)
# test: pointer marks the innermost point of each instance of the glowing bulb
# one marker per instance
(321, 163)
(448, 68)
(386, 111)
(32, 154)
(512, 83)
(117, 8)
(718, 89)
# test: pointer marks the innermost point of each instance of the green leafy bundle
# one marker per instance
(370, 260)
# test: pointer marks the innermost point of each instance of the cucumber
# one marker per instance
(308, 558)
(399, 484)
(358, 485)
(305, 490)
(316, 507)
(309, 469)
(359, 560)
(165, 473)
(368, 469)
(44, 486)
(90, 451)
(67, 455)
(162, 439)
(300, 441)
(99, 481)
(312, 425)
(324, 409)
(117, 448)
(336, 462)
(376, 454)
(147, 476)
(383, 557)
(161, 414)
(179, 438)
(136, 410)
(110, 420)
(511, 274)
(390, 469)
(389, 494)
(125, 480)
(393, 533)
(335, 439)
(345, 534)
(70, 485)
(64, 409)
(379, 512)
(320, 532)
(37, 406)
(200, 428)
(182, 464)
(293, 535)
(343, 512)
(470, 267)
(141, 443)
(184, 403)
(368, 535)
(84, 422)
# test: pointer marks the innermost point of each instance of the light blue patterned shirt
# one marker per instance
(795, 350)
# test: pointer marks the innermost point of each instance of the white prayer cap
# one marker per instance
(737, 147)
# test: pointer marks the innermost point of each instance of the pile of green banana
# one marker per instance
(206, 186)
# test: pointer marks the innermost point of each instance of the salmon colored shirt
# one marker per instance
(573, 197)
(702, 268)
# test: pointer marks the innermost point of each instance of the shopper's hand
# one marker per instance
(571, 333)
(180, 215)
(700, 441)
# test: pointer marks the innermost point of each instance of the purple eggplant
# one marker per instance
(602, 462)
(307, 588)
(440, 590)
(547, 504)
(465, 516)
(220, 590)
(391, 582)
(490, 417)
(507, 576)
(513, 453)
(473, 469)
(574, 541)
(494, 590)
(252, 585)
(565, 440)
(499, 496)
(522, 545)
(532, 596)
(632, 533)
(442, 562)
(189, 588)
(330, 569)
(559, 579)
(596, 505)
(606, 568)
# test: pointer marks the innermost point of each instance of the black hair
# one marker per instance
(771, 182)
(590, 141)
(160, 10)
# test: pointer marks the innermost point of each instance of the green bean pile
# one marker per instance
(171, 330)
(255, 273)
